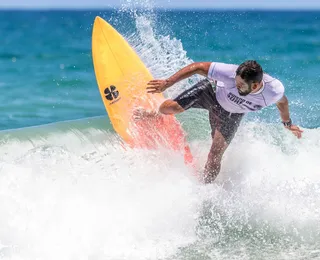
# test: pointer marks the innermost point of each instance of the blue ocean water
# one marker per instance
(68, 189)
(48, 74)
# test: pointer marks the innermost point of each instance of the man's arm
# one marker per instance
(283, 106)
(157, 86)
(201, 68)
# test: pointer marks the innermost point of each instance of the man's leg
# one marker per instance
(198, 96)
(213, 165)
(170, 107)
(224, 127)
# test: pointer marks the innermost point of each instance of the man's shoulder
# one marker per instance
(228, 68)
(273, 89)
(222, 71)
(273, 84)
(224, 65)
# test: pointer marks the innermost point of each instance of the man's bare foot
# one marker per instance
(208, 177)
(142, 113)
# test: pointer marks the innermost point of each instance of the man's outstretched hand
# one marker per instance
(157, 85)
(295, 130)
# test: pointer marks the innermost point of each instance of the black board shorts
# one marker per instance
(202, 95)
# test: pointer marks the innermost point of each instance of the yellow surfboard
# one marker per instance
(122, 80)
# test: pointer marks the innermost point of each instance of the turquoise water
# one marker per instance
(69, 189)
(47, 72)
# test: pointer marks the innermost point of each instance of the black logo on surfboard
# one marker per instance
(111, 93)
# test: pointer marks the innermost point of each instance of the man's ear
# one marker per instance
(255, 85)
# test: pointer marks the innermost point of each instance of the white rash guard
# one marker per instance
(228, 96)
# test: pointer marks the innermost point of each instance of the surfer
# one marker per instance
(228, 93)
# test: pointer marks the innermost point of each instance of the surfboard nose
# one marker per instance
(97, 19)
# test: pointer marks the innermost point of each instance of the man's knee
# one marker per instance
(170, 107)
(219, 143)
(213, 165)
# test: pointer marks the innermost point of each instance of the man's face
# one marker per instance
(243, 87)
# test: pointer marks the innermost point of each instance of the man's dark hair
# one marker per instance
(250, 71)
